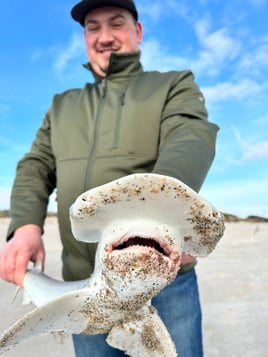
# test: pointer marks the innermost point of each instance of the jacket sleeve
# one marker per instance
(34, 182)
(187, 139)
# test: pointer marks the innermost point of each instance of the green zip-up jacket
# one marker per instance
(132, 121)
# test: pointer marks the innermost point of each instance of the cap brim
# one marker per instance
(80, 10)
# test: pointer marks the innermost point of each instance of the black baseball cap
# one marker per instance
(80, 10)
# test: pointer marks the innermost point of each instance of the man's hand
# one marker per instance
(25, 245)
(186, 258)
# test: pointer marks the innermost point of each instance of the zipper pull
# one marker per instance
(103, 87)
(122, 98)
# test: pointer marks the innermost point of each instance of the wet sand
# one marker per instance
(233, 283)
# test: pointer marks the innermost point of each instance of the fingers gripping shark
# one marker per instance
(143, 224)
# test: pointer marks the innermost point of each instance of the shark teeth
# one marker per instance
(141, 241)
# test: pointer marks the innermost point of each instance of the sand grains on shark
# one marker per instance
(143, 223)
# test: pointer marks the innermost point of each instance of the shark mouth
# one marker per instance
(143, 253)
(141, 242)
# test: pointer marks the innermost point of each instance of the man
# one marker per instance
(127, 121)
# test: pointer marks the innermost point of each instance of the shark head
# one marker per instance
(143, 224)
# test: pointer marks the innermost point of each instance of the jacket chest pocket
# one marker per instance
(128, 127)
(139, 131)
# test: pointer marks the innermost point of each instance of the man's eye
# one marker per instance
(117, 24)
(92, 28)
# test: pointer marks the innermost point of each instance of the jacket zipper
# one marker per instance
(88, 177)
(118, 120)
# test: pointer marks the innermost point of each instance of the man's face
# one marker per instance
(107, 30)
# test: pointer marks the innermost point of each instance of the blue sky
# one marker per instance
(224, 43)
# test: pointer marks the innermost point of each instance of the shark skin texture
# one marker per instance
(143, 223)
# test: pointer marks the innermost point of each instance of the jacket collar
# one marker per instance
(121, 65)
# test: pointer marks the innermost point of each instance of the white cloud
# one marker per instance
(179, 8)
(255, 151)
(259, 151)
(262, 120)
(62, 55)
(157, 9)
(74, 49)
(156, 57)
(217, 48)
(255, 58)
(251, 147)
(152, 10)
(219, 43)
(229, 90)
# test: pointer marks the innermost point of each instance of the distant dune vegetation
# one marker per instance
(228, 217)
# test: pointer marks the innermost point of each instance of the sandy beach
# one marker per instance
(233, 283)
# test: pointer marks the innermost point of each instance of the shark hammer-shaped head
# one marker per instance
(143, 224)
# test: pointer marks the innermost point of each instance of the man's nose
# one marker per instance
(106, 36)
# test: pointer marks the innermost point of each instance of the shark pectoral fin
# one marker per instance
(64, 314)
(145, 335)
(41, 289)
